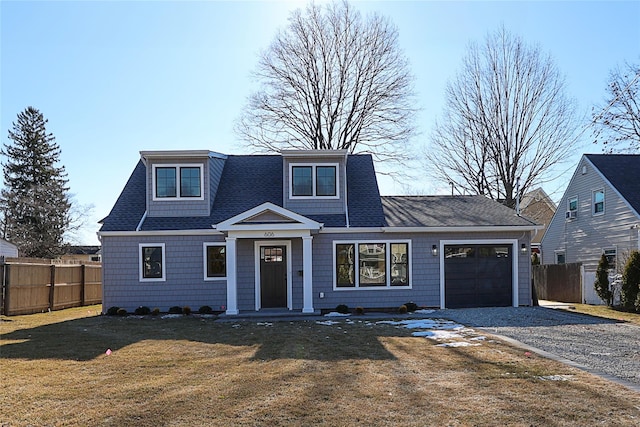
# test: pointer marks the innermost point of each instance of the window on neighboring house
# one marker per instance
(372, 265)
(610, 254)
(215, 261)
(598, 202)
(314, 181)
(572, 205)
(560, 257)
(168, 179)
(152, 262)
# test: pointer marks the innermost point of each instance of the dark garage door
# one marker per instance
(478, 276)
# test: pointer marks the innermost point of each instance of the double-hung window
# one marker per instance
(152, 262)
(598, 202)
(215, 261)
(610, 254)
(313, 180)
(173, 182)
(371, 264)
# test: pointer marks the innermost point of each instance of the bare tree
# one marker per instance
(506, 120)
(617, 123)
(332, 80)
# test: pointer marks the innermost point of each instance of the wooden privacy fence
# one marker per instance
(558, 282)
(32, 285)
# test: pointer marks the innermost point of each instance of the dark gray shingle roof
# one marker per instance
(246, 182)
(623, 172)
(448, 211)
(130, 206)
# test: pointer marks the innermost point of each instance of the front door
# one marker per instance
(273, 276)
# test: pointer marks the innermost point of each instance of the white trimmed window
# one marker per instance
(560, 257)
(175, 182)
(215, 261)
(372, 264)
(611, 255)
(598, 202)
(152, 262)
(572, 208)
(307, 181)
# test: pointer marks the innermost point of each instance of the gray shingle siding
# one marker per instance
(171, 207)
(584, 238)
(184, 283)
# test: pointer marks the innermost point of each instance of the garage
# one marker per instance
(478, 275)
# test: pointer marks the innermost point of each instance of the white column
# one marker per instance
(232, 288)
(307, 275)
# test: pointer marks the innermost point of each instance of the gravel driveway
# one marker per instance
(599, 344)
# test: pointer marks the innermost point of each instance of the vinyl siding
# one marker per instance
(584, 238)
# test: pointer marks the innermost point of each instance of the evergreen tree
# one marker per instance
(601, 284)
(35, 203)
(631, 281)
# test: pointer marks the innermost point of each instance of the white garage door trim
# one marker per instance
(514, 262)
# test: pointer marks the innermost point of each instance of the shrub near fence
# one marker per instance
(32, 285)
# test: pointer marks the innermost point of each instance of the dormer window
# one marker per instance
(313, 180)
(173, 182)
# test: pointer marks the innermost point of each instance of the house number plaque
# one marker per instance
(269, 234)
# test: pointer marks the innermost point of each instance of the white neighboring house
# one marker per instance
(599, 213)
(7, 249)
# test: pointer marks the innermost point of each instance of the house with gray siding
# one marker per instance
(599, 213)
(302, 231)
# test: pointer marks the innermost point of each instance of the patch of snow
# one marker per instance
(327, 322)
(457, 344)
(423, 311)
(171, 316)
(336, 314)
(264, 324)
(478, 338)
(556, 377)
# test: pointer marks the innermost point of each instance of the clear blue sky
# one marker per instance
(117, 77)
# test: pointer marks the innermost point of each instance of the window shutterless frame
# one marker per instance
(597, 202)
(172, 182)
(214, 256)
(152, 262)
(364, 264)
(323, 182)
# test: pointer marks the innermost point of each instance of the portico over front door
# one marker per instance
(273, 276)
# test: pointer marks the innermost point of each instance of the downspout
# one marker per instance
(146, 199)
(144, 216)
(346, 204)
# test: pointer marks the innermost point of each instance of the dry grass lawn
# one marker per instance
(194, 371)
(606, 312)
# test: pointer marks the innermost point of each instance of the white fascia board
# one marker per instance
(466, 229)
(303, 222)
(313, 153)
(203, 232)
(328, 230)
(163, 154)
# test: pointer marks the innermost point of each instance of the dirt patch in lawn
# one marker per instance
(195, 371)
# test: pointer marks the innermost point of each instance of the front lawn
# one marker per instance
(196, 371)
(606, 312)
